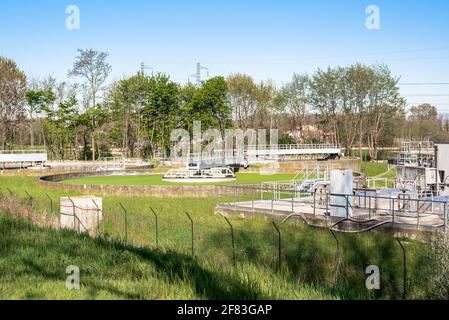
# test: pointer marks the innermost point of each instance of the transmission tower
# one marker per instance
(143, 67)
(197, 75)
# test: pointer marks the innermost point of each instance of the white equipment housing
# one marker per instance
(194, 172)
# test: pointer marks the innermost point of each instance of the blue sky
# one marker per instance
(266, 39)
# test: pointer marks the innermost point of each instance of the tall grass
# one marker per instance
(32, 263)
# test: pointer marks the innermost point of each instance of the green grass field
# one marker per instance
(33, 259)
(156, 179)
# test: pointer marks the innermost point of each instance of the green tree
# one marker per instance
(37, 100)
(60, 127)
(160, 114)
(209, 105)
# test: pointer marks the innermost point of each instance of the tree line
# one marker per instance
(85, 117)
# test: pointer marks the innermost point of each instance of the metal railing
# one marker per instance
(362, 205)
(23, 151)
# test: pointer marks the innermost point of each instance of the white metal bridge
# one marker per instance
(19, 157)
(253, 153)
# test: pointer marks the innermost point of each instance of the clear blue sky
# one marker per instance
(266, 39)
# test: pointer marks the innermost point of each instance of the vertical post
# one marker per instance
(314, 203)
(98, 216)
(293, 203)
(279, 246)
(404, 256)
(437, 175)
(445, 217)
(232, 240)
(157, 231)
(74, 213)
(369, 210)
(235, 198)
(393, 212)
(238, 194)
(364, 200)
(337, 254)
(347, 206)
(126, 222)
(252, 199)
(417, 212)
(51, 202)
(191, 223)
(10, 192)
(30, 198)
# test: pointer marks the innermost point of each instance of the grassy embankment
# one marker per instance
(33, 259)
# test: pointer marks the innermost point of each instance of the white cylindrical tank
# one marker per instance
(341, 188)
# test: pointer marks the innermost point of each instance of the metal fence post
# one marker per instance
(279, 246)
(98, 216)
(126, 223)
(293, 203)
(445, 217)
(337, 254)
(232, 240)
(30, 198)
(51, 202)
(74, 214)
(157, 232)
(30, 205)
(405, 269)
(314, 203)
(369, 211)
(10, 192)
(252, 198)
(191, 223)
(417, 212)
(393, 209)
(347, 206)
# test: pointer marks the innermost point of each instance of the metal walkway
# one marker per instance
(254, 154)
(22, 156)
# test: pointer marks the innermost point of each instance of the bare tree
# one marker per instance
(93, 67)
(295, 96)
